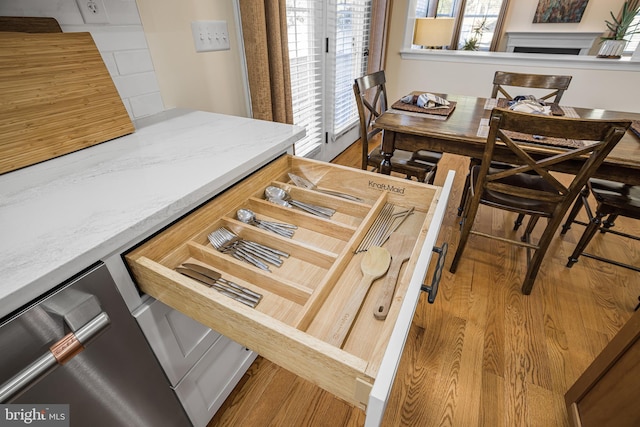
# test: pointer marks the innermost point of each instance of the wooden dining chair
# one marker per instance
(527, 187)
(556, 83)
(613, 199)
(502, 80)
(371, 100)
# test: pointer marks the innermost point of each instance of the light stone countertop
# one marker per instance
(61, 216)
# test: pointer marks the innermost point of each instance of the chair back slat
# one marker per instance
(371, 101)
(602, 134)
(558, 84)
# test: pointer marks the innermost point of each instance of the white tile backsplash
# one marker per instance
(133, 61)
(146, 105)
(114, 37)
(122, 45)
(136, 84)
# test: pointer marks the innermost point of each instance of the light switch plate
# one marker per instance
(210, 35)
(93, 11)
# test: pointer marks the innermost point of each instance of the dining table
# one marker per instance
(464, 131)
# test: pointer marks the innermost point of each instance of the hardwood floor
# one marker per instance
(483, 354)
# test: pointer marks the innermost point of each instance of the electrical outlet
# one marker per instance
(210, 35)
(93, 11)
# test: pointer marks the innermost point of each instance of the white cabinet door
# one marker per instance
(177, 340)
(203, 390)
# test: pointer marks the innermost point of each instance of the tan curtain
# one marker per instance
(380, 15)
(264, 30)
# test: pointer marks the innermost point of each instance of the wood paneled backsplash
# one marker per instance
(56, 97)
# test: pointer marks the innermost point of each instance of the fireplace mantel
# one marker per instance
(558, 42)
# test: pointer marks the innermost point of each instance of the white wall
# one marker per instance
(209, 81)
(600, 85)
(121, 43)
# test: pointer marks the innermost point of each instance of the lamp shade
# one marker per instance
(433, 31)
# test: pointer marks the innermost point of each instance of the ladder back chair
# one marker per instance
(613, 199)
(528, 187)
(371, 100)
(557, 84)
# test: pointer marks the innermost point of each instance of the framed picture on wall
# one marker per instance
(559, 11)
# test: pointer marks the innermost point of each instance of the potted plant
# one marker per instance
(613, 45)
(477, 31)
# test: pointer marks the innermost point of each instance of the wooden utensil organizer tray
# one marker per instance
(301, 299)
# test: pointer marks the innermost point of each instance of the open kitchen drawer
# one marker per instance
(294, 323)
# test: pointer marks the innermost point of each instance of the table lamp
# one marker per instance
(433, 32)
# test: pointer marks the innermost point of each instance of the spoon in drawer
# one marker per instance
(374, 265)
(399, 245)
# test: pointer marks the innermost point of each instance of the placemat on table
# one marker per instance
(546, 140)
(438, 111)
(556, 110)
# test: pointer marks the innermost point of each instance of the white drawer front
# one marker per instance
(204, 389)
(381, 389)
(177, 340)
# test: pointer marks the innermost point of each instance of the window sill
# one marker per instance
(533, 59)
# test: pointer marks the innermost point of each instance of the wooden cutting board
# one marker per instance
(56, 97)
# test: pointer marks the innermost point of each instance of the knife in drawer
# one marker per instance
(214, 275)
(238, 296)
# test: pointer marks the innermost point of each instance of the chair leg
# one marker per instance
(467, 222)
(530, 226)
(518, 222)
(534, 264)
(588, 234)
(465, 192)
(608, 223)
(580, 201)
(467, 183)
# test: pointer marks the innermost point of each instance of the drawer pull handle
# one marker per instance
(432, 290)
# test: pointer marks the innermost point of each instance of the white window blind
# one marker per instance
(305, 31)
(352, 23)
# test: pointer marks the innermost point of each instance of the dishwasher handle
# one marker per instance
(59, 353)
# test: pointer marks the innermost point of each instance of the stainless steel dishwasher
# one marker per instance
(81, 347)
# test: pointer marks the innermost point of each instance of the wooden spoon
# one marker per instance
(374, 265)
(400, 247)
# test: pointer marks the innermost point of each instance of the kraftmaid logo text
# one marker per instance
(386, 187)
(36, 415)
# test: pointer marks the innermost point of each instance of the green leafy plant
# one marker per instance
(470, 44)
(477, 30)
(618, 27)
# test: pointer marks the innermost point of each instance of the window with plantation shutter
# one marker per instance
(305, 31)
(328, 46)
(351, 48)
